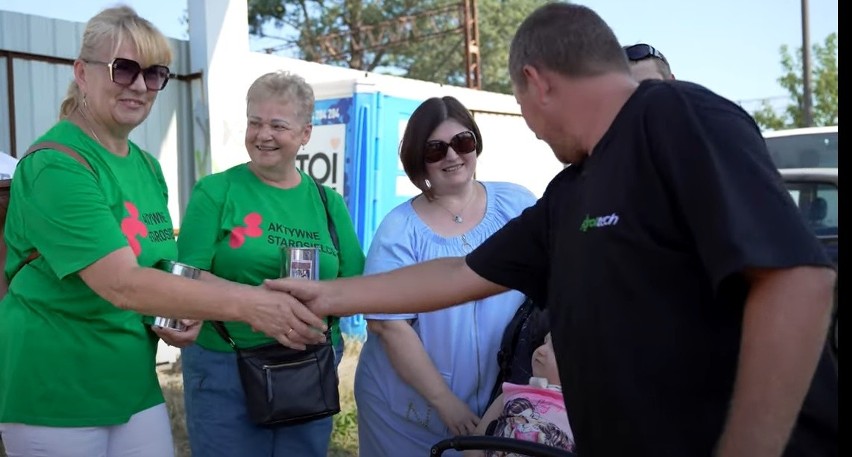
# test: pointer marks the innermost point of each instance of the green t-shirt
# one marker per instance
(69, 358)
(235, 226)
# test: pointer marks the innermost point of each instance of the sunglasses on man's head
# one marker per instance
(643, 51)
(125, 71)
(436, 150)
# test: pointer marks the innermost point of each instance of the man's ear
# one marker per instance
(537, 83)
(673, 76)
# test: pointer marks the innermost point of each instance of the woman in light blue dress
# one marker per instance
(428, 376)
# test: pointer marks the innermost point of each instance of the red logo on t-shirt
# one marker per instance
(251, 229)
(132, 227)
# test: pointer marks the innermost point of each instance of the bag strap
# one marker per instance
(219, 326)
(63, 149)
(74, 155)
(332, 231)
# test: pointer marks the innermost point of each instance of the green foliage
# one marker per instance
(344, 435)
(441, 59)
(261, 11)
(438, 58)
(302, 23)
(824, 89)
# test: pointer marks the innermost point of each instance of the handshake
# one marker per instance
(293, 309)
(289, 310)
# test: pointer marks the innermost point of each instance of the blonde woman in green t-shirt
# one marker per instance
(77, 374)
(235, 226)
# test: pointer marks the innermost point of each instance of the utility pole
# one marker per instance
(459, 17)
(472, 69)
(807, 104)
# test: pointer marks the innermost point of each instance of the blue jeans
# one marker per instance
(217, 420)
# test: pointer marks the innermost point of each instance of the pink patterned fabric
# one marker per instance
(533, 413)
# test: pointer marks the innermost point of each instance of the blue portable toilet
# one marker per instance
(354, 149)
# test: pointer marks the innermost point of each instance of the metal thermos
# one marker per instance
(300, 263)
(180, 269)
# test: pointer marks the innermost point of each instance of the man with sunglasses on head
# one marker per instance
(689, 300)
(646, 62)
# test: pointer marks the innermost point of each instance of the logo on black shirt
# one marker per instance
(596, 222)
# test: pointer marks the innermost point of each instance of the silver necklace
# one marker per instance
(89, 125)
(457, 218)
(96, 136)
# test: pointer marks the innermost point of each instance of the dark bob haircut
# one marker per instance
(425, 119)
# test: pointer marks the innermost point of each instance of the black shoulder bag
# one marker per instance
(285, 386)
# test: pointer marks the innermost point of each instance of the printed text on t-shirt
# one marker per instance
(136, 225)
(283, 236)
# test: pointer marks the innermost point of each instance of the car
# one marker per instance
(814, 190)
(808, 147)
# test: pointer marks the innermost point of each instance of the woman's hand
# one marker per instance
(179, 339)
(280, 316)
(314, 294)
(456, 415)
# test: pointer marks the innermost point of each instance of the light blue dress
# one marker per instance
(462, 341)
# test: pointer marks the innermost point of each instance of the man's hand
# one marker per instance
(313, 294)
(177, 338)
(280, 316)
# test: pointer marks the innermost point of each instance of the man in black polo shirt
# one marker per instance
(689, 300)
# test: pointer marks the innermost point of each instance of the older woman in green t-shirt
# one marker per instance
(83, 228)
(236, 224)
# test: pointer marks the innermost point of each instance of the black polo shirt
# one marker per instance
(638, 252)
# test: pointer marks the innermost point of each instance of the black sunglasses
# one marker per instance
(125, 71)
(643, 51)
(436, 150)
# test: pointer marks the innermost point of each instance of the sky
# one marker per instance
(730, 46)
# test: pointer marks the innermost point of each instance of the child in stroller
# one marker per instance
(532, 412)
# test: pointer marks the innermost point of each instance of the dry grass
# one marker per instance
(344, 438)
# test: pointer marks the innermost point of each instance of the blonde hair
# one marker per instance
(287, 86)
(114, 25)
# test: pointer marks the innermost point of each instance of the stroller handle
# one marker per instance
(495, 443)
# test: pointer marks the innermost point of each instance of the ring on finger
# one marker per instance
(290, 331)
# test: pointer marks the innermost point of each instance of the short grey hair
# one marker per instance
(288, 86)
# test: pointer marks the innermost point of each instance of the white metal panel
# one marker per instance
(395, 86)
(5, 137)
(159, 136)
(512, 153)
(40, 35)
(39, 90)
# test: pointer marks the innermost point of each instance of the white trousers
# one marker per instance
(147, 434)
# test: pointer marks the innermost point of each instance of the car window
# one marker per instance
(818, 204)
(810, 150)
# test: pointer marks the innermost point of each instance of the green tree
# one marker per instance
(442, 59)
(303, 24)
(824, 89)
